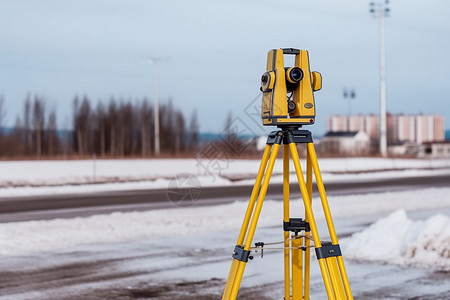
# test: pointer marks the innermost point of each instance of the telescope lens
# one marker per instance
(295, 74)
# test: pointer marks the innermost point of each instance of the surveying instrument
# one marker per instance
(288, 103)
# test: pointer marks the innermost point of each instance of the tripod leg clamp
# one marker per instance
(240, 254)
(275, 137)
(296, 225)
(328, 250)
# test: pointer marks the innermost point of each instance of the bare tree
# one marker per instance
(167, 127)
(27, 125)
(53, 140)
(146, 121)
(193, 132)
(78, 141)
(180, 130)
(38, 123)
(230, 134)
(101, 121)
(67, 139)
(228, 123)
(11, 144)
(86, 124)
(83, 125)
(112, 122)
(124, 129)
(2, 114)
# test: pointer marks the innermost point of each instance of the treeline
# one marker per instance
(115, 128)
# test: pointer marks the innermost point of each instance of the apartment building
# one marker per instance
(418, 128)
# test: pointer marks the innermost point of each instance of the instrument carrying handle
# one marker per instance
(291, 51)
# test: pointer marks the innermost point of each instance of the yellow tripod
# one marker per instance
(296, 267)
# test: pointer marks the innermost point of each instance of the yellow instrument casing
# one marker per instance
(277, 82)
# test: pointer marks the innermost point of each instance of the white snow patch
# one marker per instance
(100, 170)
(160, 183)
(21, 238)
(59, 234)
(34, 178)
(399, 240)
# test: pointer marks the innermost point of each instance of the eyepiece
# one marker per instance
(267, 81)
(264, 78)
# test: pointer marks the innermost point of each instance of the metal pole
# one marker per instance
(383, 131)
(350, 94)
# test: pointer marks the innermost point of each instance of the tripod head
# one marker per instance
(297, 108)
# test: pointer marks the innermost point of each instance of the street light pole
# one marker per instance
(350, 94)
(154, 62)
(380, 10)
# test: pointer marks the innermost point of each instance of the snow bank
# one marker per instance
(59, 234)
(399, 240)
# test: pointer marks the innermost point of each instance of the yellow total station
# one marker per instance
(288, 97)
(288, 103)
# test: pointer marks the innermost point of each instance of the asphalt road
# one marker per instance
(63, 206)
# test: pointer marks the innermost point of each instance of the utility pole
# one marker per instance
(154, 61)
(380, 10)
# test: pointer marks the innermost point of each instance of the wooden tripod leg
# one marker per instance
(248, 214)
(254, 221)
(309, 185)
(297, 269)
(327, 212)
(254, 194)
(310, 216)
(232, 290)
(287, 263)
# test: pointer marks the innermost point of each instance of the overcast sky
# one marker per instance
(214, 53)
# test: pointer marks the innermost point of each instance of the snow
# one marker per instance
(398, 240)
(403, 241)
(100, 170)
(205, 181)
(24, 178)
(395, 239)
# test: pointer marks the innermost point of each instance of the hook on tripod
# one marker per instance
(260, 246)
